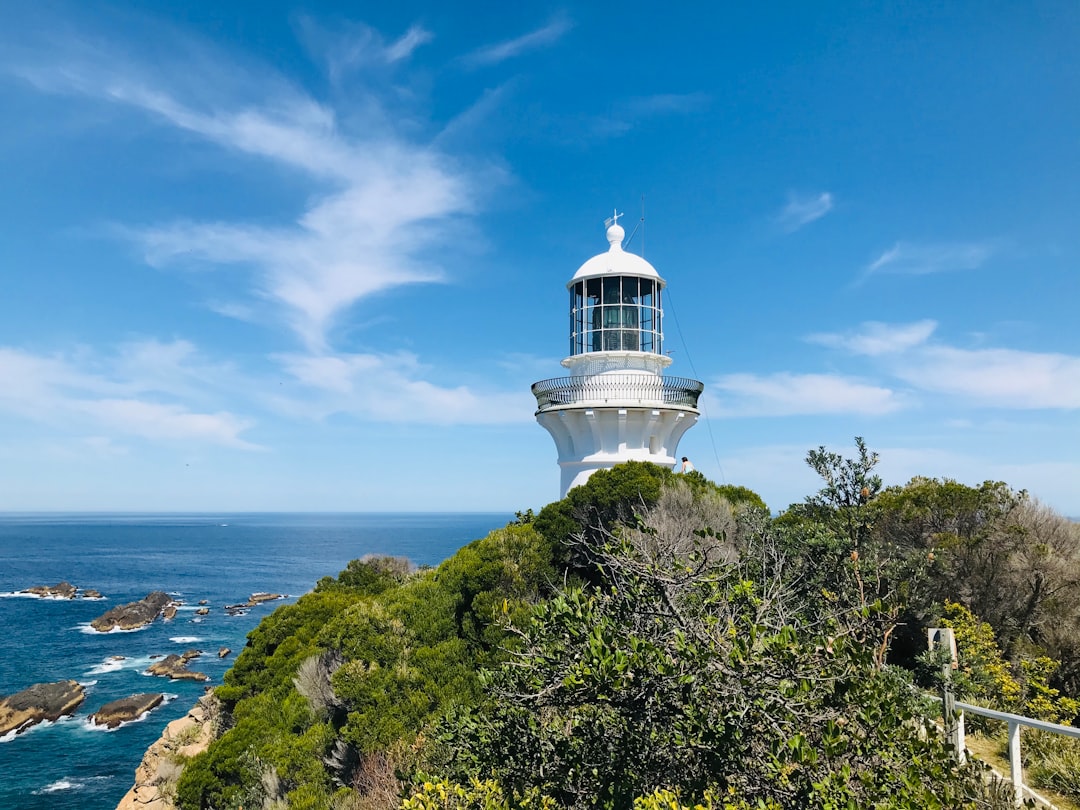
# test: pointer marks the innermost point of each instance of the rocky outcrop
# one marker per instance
(175, 668)
(155, 778)
(62, 590)
(134, 614)
(258, 598)
(92, 593)
(241, 608)
(126, 709)
(42, 701)
(221, 653)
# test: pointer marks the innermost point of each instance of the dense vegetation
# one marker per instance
(657, 640)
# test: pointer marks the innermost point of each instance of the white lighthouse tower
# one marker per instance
(616, 405)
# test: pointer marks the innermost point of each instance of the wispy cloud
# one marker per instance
(501, 51)
(391, 388)
(873, 338)
(786, 394)
(1001, 378)
(128, 394)
(351, 46)
(383, 203)
(983, 377)
(906, 258)
(628, 113)
(801, 210)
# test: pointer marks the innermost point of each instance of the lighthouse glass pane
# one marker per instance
(591, 316)
(611, 290)
(646, 292)
(577, 318)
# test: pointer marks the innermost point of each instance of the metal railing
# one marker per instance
(1015, 721)
(617, 389)
(953, 717)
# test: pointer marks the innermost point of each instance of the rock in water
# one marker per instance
(223, 652)
(175, 668)
(126, 709)
(62, 590)
(134, 614)
(42, 701)
(258, 598)
(92, 593)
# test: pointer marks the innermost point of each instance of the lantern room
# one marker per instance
(615, 302)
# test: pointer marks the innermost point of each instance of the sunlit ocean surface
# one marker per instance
(222, 558)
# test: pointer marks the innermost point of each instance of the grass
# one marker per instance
(989, 750)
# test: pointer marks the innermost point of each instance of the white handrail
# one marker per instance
(1015, 721)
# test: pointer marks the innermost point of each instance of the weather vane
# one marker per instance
(613, 219)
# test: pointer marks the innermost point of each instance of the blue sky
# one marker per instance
(267, 256)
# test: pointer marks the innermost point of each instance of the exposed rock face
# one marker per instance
(256, 598)
(175, 668)
(42, 701)
(160, 768)
(169, 612)
(134, 614)
(62, 590)
(126, 709)
(223, 652)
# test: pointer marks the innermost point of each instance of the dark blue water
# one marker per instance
(220, 558)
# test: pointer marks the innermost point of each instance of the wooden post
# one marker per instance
(952, 720)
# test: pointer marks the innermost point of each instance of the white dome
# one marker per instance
(616, 262)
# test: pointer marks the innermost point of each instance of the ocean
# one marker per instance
(220, 558)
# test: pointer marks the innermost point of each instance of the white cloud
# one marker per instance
(501, 51)
(1001, 378)
(383, 203)
(802, 210)
(874, 338)
(123, 396)
(153, 420)
(348, 47)
(390, 388)
(786, 394)
(905, 258)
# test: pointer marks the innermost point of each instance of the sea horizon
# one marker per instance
(219, 557)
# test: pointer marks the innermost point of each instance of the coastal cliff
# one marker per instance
(155, 778)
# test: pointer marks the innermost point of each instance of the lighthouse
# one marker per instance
(616, 405)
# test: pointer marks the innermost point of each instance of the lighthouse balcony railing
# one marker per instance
(617, 389)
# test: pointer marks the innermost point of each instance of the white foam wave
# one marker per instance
(185, 639)
(21, 595)
(88, 684)
(26, 729)
(116, 664)
(84, 627)
(59, 785)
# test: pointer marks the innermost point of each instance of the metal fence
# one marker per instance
(617, 389)
(1015, 721)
